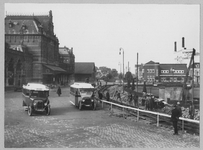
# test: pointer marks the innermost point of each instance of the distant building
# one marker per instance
(35, 34)
(172, 72)
(151, 72)
(163, 73)
(84, 70)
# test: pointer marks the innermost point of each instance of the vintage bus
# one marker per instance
(83, 95)
(35, 97)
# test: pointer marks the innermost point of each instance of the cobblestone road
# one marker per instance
(69, 127)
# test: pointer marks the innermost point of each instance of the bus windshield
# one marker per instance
(86, 91)
(41, 94)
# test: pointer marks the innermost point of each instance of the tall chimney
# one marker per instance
(175, 46)
(183, 42)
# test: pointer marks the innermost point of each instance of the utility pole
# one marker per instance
(123, 66)
(137, 73)
(193, 63)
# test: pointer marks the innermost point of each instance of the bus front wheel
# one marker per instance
(30, 111)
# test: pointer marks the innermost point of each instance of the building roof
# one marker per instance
(84, 67)
(151, 63)
(55, 68)
(65, 50)
(33, 24)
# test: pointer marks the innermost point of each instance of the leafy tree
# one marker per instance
(128, 77)
(105, 70)
(114, 73)
(120, 76)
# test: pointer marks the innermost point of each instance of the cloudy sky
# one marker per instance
(97, 31)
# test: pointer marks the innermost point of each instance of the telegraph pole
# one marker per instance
(137, 73)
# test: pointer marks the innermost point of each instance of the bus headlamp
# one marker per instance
(83, 100)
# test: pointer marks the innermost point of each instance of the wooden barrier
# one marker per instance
(183, 120)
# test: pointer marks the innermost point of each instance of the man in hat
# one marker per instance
(179, 108)
(175, 117)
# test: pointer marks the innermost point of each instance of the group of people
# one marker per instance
(133, 98)
(149, 103)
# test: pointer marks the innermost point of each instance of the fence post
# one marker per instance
(102, 104)
(183, 126)
(137, 115)
(157, 120)
(111, 106)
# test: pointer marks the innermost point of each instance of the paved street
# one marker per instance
(69, 127)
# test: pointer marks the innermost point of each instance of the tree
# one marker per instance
(114, 73)
(128, 77)
(105, 70)
(109, 76)
(120, 76)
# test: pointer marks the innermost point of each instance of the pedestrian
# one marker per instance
(175, 117)
(179, 108)
(130, 98)
(146, 104)
(107, 96)
(119, 97)
(192, 111)
(152, 103)
(100, 95)
(136, 100)
(59, 91)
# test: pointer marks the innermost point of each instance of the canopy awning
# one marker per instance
(55, 68)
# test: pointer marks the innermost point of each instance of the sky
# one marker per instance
(97, 32)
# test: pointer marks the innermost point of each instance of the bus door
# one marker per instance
(76, 97)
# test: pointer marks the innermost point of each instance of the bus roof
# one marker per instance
(36, 87)
(82, 85)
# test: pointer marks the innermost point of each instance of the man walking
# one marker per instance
(107, 96)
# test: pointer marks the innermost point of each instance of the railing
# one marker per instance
(150, 112)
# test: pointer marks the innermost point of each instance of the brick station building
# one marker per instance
(35, 35)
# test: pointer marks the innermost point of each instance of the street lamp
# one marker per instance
(123, 65)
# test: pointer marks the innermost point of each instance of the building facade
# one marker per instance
(36, 33)
(172, 72)
(164, 73)
(85, 70)
(67, 62)
(18, 65)
(151, 72)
